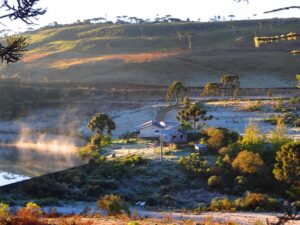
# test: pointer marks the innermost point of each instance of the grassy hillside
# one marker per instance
(153, 54)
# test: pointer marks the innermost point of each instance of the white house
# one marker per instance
(150, 129)
(167, 130)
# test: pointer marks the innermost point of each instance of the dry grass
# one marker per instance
(127, 221)
(216, 49)
(28, 58)
(126, 58)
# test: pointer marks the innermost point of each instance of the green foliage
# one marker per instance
(252, 140)
(176, 91)
(90, 151)
(290, 118)
(220, 137)
(192, 115)
(279, 136)
(186, 102)
(134, 223)
(216, 138)
(287, 167)
(30, 211)
(248, 162)
(214, 181)
(230, 81)
(225, 151)
(4, 212)
(211, 89)
(195, 165)
(100, 123)
(257, 201)
(185, 125)
(240, 180)
(34, 208)
(114, 205)
(133, 160)
(298, 79)
(221, 204)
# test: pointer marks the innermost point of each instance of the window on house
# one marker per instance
(157, 131)
(174, 136)
(181, 136)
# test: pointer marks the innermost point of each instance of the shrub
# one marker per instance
(4, 213)
(221, 204)
(252, 106)
(220, 137)
(90, 151)
(133, 160)
(216, 138)
(4, 210)
(252, 140)
(214, 181)
(225, 151)
(30, 211)
(113, 204)
(287, 166)
(134, 223)
(254, 201)
(279, 135)
(194, 165)
(240, 180)
(247, 162)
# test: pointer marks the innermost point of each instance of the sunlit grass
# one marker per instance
(126, 58)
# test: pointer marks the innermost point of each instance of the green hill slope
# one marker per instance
(154, 54)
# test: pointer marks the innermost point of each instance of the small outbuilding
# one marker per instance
(201, 148)
(173, 136)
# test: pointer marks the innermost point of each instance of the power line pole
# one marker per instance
(161, 146)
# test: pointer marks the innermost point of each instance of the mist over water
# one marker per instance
(30, 153)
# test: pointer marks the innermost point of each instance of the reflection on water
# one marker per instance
(35, 156)
(9, 178)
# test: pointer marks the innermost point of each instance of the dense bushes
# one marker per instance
(214, 181)
(219, 137)
(247, 162)
(4, 213)
(252, 140)
(221, 204)
(195, 165)
(133, 160)
(257, 201)
(250, 201)
(241, 163)
(287, 167)
(114, 205)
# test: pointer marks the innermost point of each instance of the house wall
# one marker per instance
(177, 139)
(149, 132)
